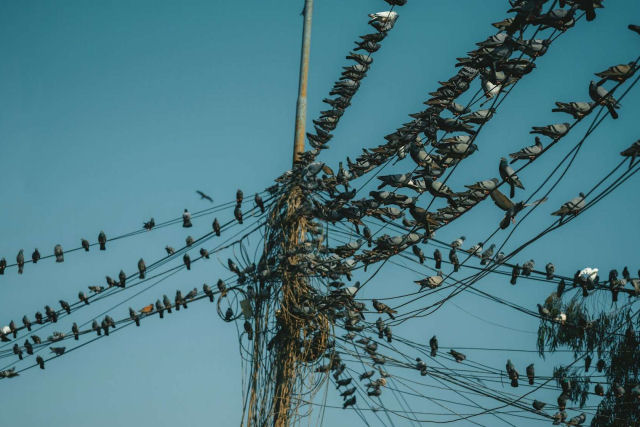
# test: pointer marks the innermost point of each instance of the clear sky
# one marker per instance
(112, 112)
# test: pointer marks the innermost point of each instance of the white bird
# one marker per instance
(384, 17)
(562, 318)
(490, 89)
(5, 330)
(588, 273)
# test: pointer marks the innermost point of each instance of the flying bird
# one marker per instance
(204, 196)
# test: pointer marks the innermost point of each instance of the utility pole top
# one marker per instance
(301, 105)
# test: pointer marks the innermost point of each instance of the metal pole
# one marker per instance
(301, 105)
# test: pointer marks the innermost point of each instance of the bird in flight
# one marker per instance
(204, 196)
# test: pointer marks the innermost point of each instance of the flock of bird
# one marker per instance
(498, 62)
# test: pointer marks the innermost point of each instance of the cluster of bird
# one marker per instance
(347, 86)
(100, 328)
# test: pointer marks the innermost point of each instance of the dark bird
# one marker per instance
(216, 226)
(187, 261)
(207, 291)
(343, 382)
(603, 97)
(186, 219)
(222, 287)
(57, 251)
(237, 213)
(509, 176)
(167, 303)
(367, 375)
(617, 73)
(459, 357)
(259, 203)
(35, 256)
(453, 258)
(52, 316)
(58, 351)
(122, 277)
(65, 306)
(170, 250)
(530, 152)
(418, 252)
(433, 344)
(515, 272)
(96, 327)
(36, 339)
(538, 405)
(3, 265)
(550, 270)
(228, 315)
(599, 390)
(189, 240)
(85, 245)
(26, 323)
(239, 197)
(248, 329)
(102, 240)
(437, 256)
(631, 152)
(204, 253)
(349, 402)
(634, 28)
(204, 196)
(513, 373)
(142, 268)
(75, 331)
(20, 261)
(383, 308)
(28, 347)
(572, 207)
(40, 361)
(487, 255)
(160, 308)
(149, 224)
(531, 373)
(134, 316)
(17, 351)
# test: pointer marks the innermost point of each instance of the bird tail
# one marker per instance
(512, 190)
(612, 111)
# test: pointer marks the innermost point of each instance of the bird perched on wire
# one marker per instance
(58, 351)
(555, 131)
(35, 256)
(578, 110)
(617, 73)
(509, 176)
(632, 152)
(57, 251)
(603, 97)
(237, 213)
(572, 207)
(148, 225)
(430, 282)
(102, 240)
(383, 308)
(204, 196)
(85, 245)
(142, 268)
(20, 261)
(530, 152)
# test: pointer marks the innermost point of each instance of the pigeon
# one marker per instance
(85, 245)
(530, 152)
(383, 308)
(149, 224)
(122, 277)
(204, 253)
(26, 323)
(96, 327)
(222, 287)
(577, 420)
(349, 402)
(396, 2)
(475, 249)
(237, 213)
(189, 240)
(634, 28)
(479, 116)
(531, 373)
(57, 251)
(433, 344)
(632, 152)
(186, 219)
(40, 361)
(167, 303)
(239, 197)
(20, 261)
(207, 291)
(204, 196)
(459, 357)
(617, 73)
(17, 351)
(142, 268)
(134, 316)
(458, 242)
(361, 59)
(437, 256)
(538, 405)
(187, 261)
(430, 282)
(397, 181)
(102, 240)
(36, 339)
(559, 417)
(58, 351)
(3, 265)
(550, 270)
(216, 226)
(572, 207)
(28, 347)
(587, 363)
(384, 17)
(603, 97)
(418, 252)
(599, 390)
(35, 256)
(487, 254)
(453, 258)
(555, 131)
(484, 186)
(510, 177)
(527, 267)
(170, 250)
(513, 373)
(578, 110)
(65, 306)
(75, 331)
(515, 272)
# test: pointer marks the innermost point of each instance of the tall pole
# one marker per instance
(301, 105)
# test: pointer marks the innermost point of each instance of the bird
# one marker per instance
(527, 267)
(148, 225)
(510, 177)
(572, 207)
(458, 242)
(555, 131)
(26, 323)
(383, 308)
(170, 250)
(134, 316)
(142, 268)
(58, 351)
(530, 152)
(65, 306)
(578, 110)
(3, 265)
(475, 249)
(189, 240)
(187, 261)
(167, 303)
(430, 282)
(459, 357)
(20, 261)
(550, 270)
(486, 186)
(349, 402)
(538, 405)
(207, 291)
(531, 374)
(632, 152)
(599, 389)
(487, 254)
(237, 213)
(515, 272)
(453, 258)
(433, 344)
(204, 196)
(437, 256)
(122, 279)
(35, 256)
(85, 244)
(75, 331)
(102, 240)
(146, 309)
(186, 219)
(40, 361)
(216, 226)
(57, 251)
(418, 252)
(204, 253)
(617, 73)
(603, 97)
(513, 373)
(634, 28)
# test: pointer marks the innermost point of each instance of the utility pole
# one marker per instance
(301, 105)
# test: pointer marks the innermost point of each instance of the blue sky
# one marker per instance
(113, 112)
